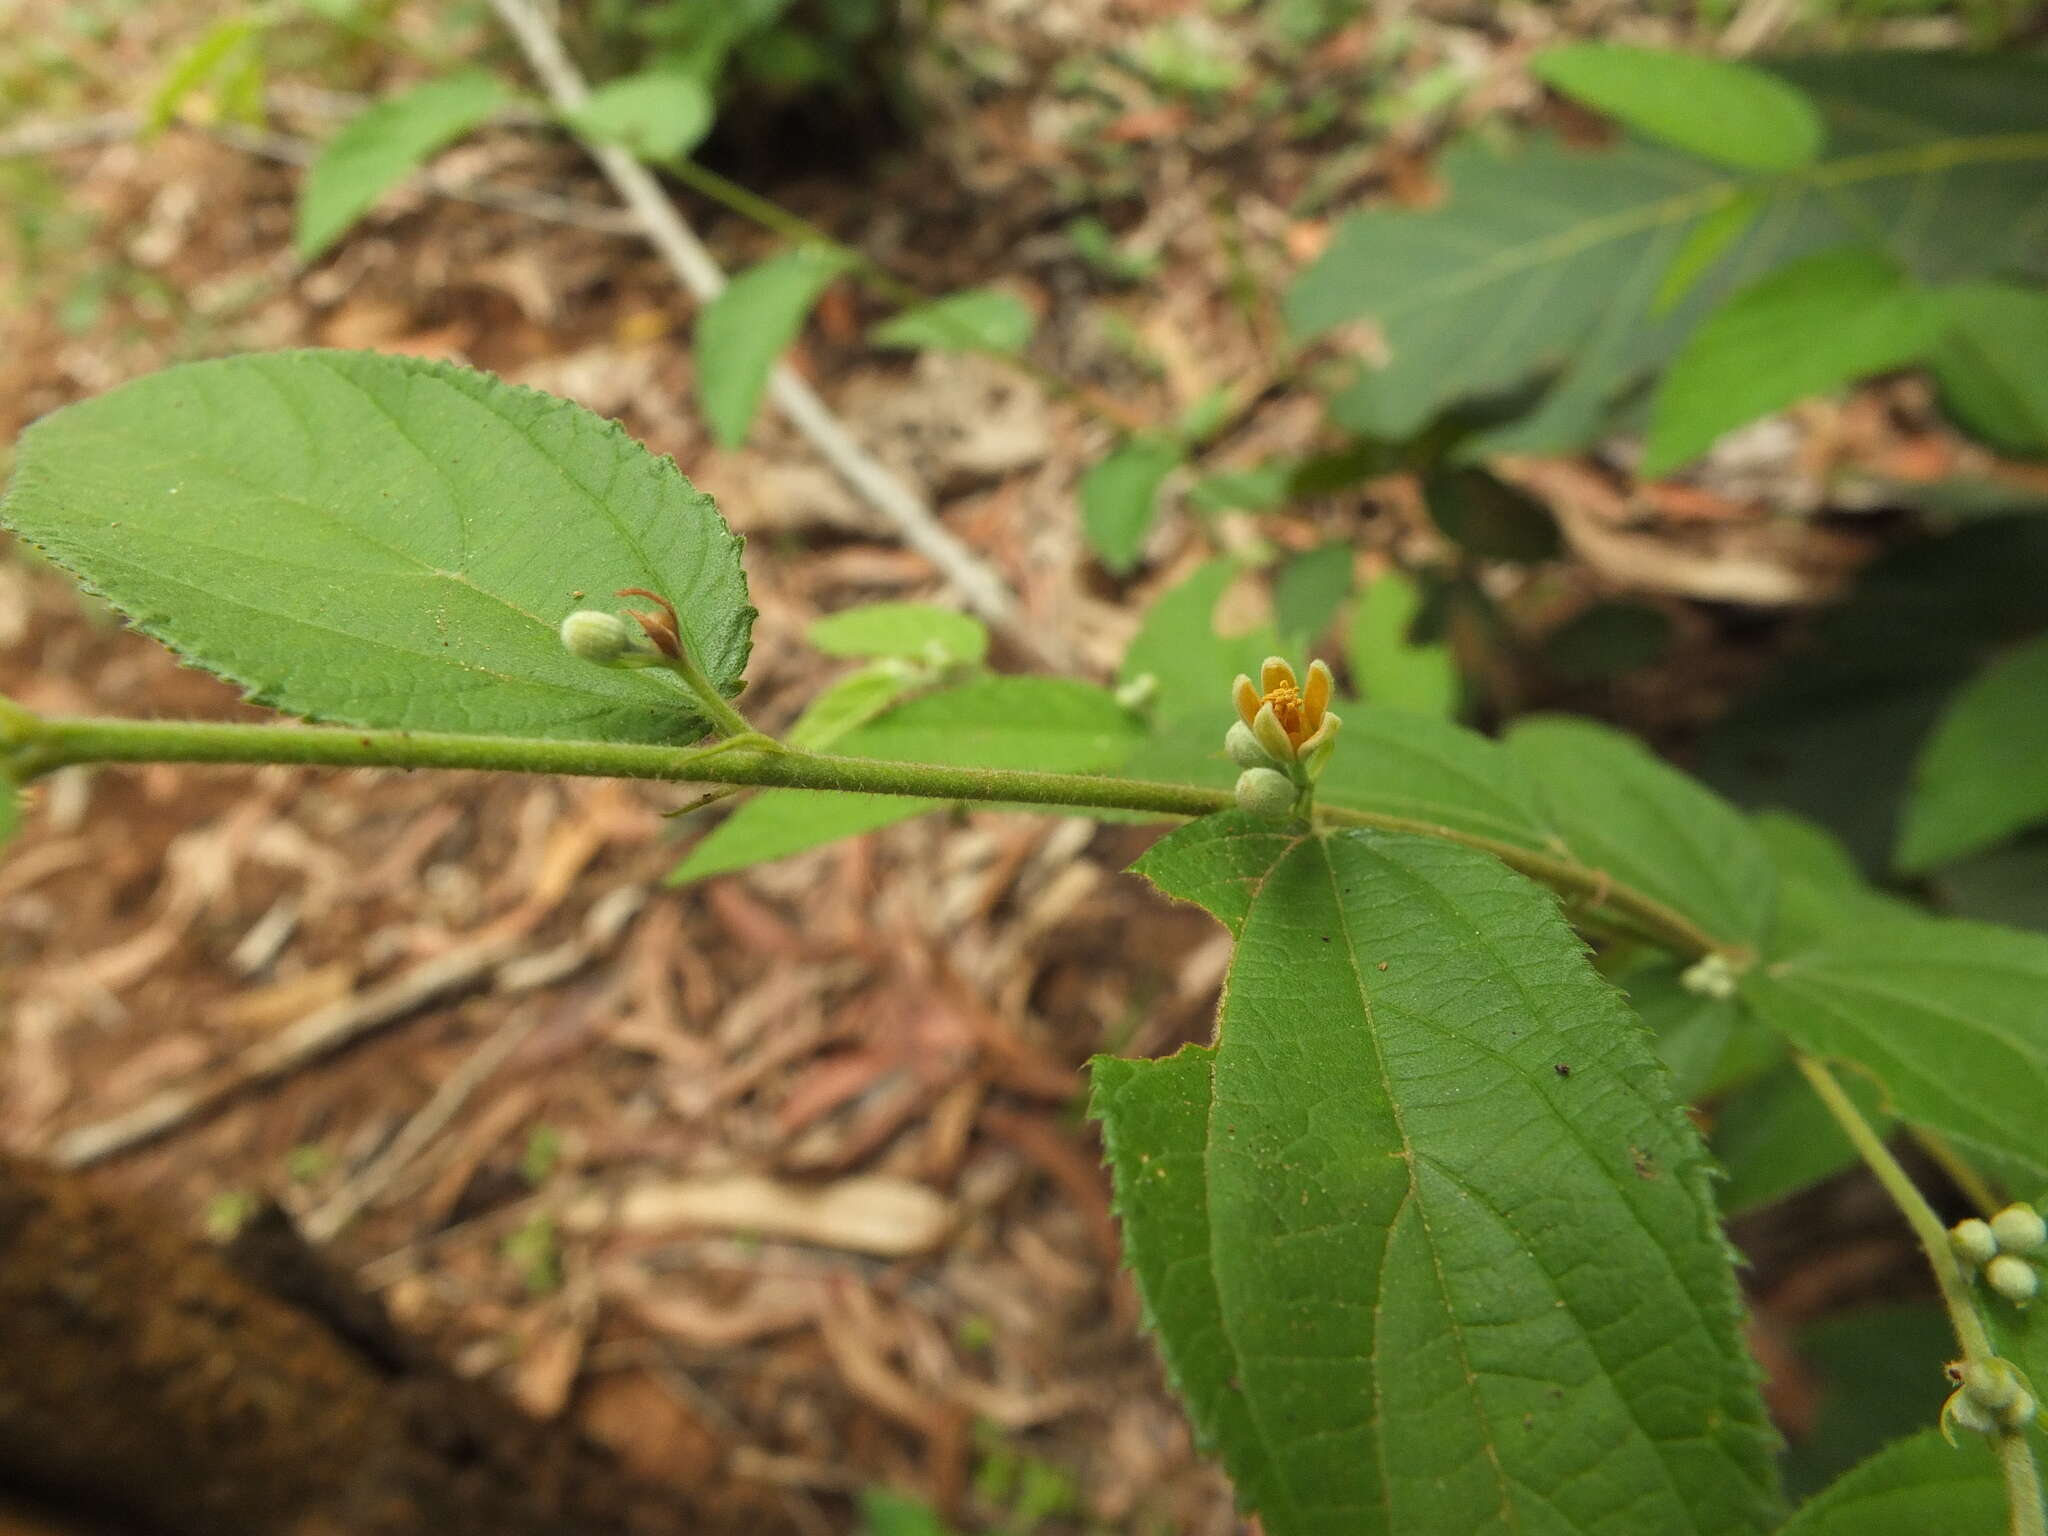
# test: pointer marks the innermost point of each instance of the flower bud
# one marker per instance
(1967, 1413)
(603, 638)
(1138, 695)
(2018, 1414)
(1244, 749)
(1269, 792)
(1973, 1241)
(1991, 1384)
(1711, 976)
(2013, 1278)
(2019, 1229)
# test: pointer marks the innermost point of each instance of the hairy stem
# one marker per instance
(2022, 1478)
(48, 744)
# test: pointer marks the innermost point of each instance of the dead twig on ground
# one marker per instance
(678, 245)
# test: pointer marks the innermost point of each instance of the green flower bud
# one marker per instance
(1266, 792)
(1138, 695)
(603, 638)
(1243, 748)
(1711, 976)
(2013, 1278)
(2019, 1413)
(1991, 1384)
(2019, 1229)
(1966, 1412)
(1973, 1241)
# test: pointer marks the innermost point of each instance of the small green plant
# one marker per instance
(1425, 1235)
(1760, 234)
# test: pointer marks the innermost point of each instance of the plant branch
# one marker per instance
(2022, 1478)
(37, 746)
(699, 272)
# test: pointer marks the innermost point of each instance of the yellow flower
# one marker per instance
(1290, 720)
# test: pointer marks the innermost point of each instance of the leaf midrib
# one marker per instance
(1561, 246)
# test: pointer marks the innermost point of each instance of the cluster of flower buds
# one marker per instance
(2003, 1248)
(1991, 1398)
(1283, 737)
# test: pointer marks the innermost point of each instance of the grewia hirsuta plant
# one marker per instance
(1427, 1240)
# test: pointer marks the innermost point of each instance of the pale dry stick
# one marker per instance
(332, 1217)
(602, 926)
(327, 1030)
(317, 1035)
(982, 590)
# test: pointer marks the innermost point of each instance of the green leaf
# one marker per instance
(1812, 326)
(1707, 242)
(10, 812)
(914, 631)
(1488, 517)
(1409, 1275)
(1992, 362)
(1911, 1488)
(1710, 1044)
(1944, 1015)
(1983, 775)
(1118, 497)
(1047, 723)
(746, 328)
(383, 145)
(1774, 1137)
(1307, 592)
(1879, 1374)
(1715, 108)
(779, 822)
(1388, 666)
(1548, 260)
(884, 1513)
(1856, 703)
(1054, 724)
(214, 52)
(1263, 488)
(1820, 889)
(1430, 771)
(1192, 665)
(2007, 884)
(978, 320)
(852, 701)
(1650, 826)
(1606, 640)
(658, 114)
(384, 541)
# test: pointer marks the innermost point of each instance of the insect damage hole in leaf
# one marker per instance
(384, 541)
(1409, 1276)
